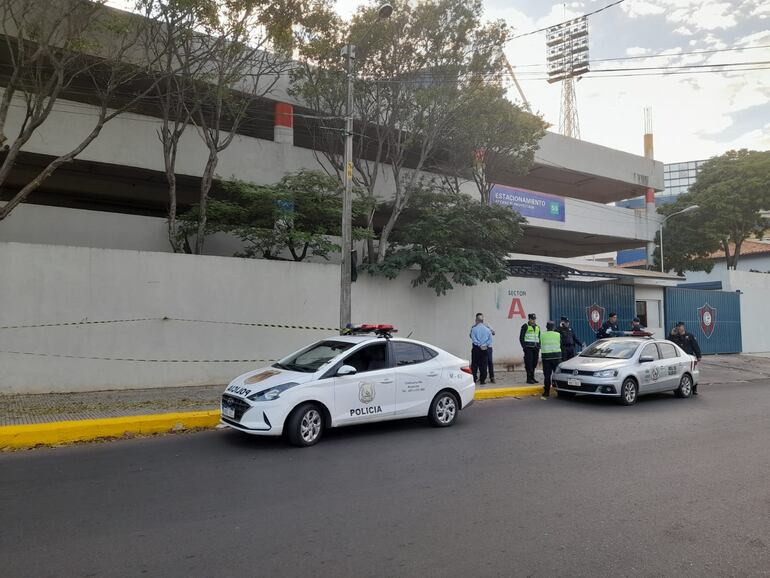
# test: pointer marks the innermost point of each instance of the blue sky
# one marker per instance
(694, 116)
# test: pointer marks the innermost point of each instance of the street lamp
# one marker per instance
(689, 209)
(349, 52)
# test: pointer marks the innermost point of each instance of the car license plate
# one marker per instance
(573, 382)
(228, 412)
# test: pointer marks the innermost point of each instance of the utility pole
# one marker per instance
(347, 197)
(347, 179)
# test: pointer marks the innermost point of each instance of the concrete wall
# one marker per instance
(755, 318)
(44, 284)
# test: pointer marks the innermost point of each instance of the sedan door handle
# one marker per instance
(386, 381)
(432, 374)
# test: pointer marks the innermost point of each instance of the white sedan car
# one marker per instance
(364, 377)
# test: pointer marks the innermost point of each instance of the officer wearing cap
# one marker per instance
(687, 342)
(636, 325)
(529, 337)
(569, 341)
(609, 328)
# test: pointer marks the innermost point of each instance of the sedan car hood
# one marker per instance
(593, 364)
(264, 378)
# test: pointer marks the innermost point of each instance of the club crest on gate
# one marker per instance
(595, 315)
(707, 318)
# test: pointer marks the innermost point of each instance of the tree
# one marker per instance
(732, 191)
(58, 47)
(417, 70)
(299, 214)
(687, 241)
(451, 238)
(494, 139)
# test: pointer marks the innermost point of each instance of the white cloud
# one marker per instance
(637, 51)
(684, 31)
(636, 8)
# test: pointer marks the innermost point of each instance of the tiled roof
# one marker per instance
(747, 248)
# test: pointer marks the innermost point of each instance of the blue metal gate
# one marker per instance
(713, 317)
(588, 304)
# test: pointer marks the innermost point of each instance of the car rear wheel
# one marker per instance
(629, 392)
(685, 387)
(305, 425)
(443, 409)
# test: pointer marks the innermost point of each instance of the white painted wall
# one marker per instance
(57, 284)
(653, 296)
(755, 317)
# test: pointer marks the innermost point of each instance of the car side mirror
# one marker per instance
(646, 359)
(347, 370)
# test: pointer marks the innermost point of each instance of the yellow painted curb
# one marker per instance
(498, 392)
(31, 435)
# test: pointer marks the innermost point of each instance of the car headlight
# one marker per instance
(271, 393)
(606, 373)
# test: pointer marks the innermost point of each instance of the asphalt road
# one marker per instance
(517, 488)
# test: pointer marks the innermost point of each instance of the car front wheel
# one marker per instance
(305, 425)
(443, 409)
(629, 392)
(685, 387)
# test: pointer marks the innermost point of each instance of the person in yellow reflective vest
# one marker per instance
(529, 338)
(550, 350)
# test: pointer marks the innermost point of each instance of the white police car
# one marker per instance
(361, 377)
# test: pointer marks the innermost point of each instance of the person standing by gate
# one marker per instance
(529, 338)
(481, 338)
(569, 340)
(609, 328)
(550, 346)
(688, 343)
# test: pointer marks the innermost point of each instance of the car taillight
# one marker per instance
(467, 370)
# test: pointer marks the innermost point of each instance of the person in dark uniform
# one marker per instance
(569, 341)
(481, 341)
(529, 338)
(688, 343)
(609, 328)
(636, 325)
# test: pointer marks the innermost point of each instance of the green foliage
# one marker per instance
(494, 139)
(451, 238)
(298, 214)
(732, 191)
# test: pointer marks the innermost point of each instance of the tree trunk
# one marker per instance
(206, 180)
(385, 234)
(726, 249)
(35, 183)
(736, 254)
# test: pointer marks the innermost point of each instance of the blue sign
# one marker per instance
(528, 203)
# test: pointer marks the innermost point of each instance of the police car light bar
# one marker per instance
(381, 329)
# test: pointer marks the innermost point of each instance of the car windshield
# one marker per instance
(612, 349)
(311, 358)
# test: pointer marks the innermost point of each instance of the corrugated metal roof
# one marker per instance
(564, 268)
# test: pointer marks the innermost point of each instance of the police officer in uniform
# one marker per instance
(688, 343)
(550, 347)
(529, 337)
(569, 340)
(609, 328)
(636, 325)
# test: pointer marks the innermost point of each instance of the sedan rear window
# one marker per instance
(311, 358)
(612, 349)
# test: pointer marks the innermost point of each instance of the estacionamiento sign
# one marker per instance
(528, 203)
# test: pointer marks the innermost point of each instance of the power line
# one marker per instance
(660, 55)
(603, 8)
